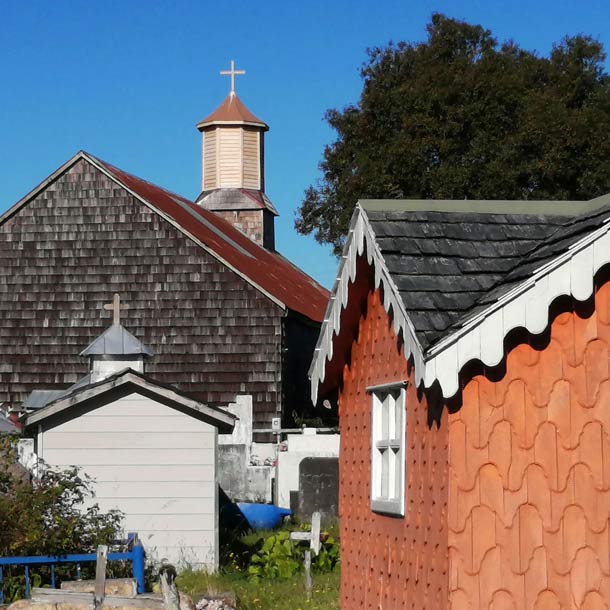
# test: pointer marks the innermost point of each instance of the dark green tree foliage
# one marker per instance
(459, 116)
(51, 515)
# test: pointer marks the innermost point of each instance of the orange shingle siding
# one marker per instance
(390, 563)
(529, 483)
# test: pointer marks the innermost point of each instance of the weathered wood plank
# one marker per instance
(100, 575)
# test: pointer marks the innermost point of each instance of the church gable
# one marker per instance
(82, 238)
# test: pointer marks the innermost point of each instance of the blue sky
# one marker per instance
(127, 81)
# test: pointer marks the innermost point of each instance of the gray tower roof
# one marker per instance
(117, 341)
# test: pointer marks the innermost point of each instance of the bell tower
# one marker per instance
(233, 167)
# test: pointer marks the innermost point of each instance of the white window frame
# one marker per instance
(388, 447)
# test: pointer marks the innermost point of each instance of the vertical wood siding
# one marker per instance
(388, 562)
(83, 239)
(251, 169)
(209, 160)
(230, 157)
(529, 498)
(137, 450)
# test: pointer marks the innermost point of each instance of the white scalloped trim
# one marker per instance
(482, 336)
(361, 240)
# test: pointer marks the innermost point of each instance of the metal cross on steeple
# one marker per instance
(116, 308)
(232, 73)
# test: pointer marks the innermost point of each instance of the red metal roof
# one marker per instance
(268, 270)
(232, 110)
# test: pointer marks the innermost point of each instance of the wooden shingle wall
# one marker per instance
(387, 562)
(65, 253)
(529, 455)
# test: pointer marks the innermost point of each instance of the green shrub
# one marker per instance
(51, 514)
(279, 557)
(327, 559)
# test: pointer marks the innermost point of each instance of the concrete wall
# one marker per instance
(318, 489)
(247, 470)
(155, 464)
(299, 447)
(242, 474)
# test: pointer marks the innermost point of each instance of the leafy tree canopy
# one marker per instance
(460, 116)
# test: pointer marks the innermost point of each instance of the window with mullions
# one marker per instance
(388, 423)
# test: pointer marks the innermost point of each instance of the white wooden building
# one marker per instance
(151, 449)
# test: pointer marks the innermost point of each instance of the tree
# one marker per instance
(461, 117)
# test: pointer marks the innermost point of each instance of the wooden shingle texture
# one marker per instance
(83, 238)
(529, 482)
(448, 265)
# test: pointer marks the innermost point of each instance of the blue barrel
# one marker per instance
(263, 516)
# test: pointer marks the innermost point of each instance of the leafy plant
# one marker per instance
(279, 557)
(52, 513)
(327, 559)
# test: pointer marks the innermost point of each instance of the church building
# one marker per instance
(223, 311)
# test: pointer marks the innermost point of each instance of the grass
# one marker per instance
(265, 594)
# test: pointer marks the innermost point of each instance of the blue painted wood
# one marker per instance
(136, 556)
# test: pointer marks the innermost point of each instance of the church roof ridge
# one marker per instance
(269, 272)
(232, 111)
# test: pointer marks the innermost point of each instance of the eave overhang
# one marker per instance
(124, 383)
(481, 336)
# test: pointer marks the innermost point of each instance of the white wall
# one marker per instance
(155, 464)
(300, 446)
(242, 432)
(240, 478)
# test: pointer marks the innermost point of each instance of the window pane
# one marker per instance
(385, 431)
(397, 478)
(391, 474)
(391, 403)
(398, 413)
(376, 474)
(385, 459)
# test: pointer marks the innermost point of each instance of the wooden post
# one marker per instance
(100, 576)
(315, 532)
(308, 583)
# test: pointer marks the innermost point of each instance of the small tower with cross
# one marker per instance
(116, 348)
(233, 167)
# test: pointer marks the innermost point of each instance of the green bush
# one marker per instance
(50, 514)
(279, 557)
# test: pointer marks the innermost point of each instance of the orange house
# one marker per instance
(470, 344)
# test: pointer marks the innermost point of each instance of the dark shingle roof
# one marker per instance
(447, 265)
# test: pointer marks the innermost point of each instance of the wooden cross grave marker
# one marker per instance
(313, 537)
(232, 73)
(116, 306)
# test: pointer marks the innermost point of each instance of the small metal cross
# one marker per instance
(232, 73)
(116, 308)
